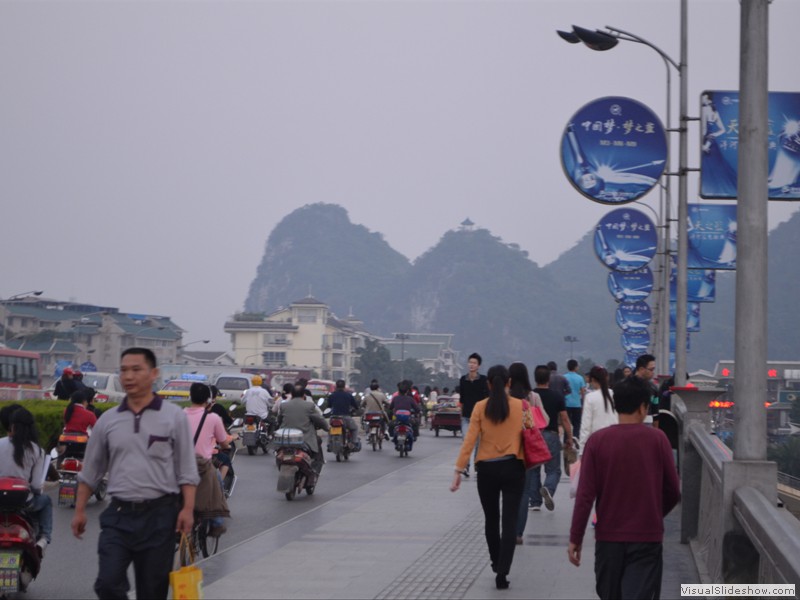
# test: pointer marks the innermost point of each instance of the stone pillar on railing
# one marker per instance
(690, 405)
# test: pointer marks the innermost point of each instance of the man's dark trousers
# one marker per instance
(145, 537)
(628, 570)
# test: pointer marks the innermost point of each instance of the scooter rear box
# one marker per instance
(14, 492)
(288, 437)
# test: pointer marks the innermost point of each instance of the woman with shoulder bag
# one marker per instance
(521, 388)
(208, 430)
(496, 425)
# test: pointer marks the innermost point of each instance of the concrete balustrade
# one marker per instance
(730, 513)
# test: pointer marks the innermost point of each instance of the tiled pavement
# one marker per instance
(407, 536)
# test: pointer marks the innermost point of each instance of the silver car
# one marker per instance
(107, 385)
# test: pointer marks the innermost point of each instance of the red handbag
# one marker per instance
(535, 448)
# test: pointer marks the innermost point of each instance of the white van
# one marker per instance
(233, 385)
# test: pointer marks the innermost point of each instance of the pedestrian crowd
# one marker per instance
(621, 465)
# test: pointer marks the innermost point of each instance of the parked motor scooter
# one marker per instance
(403, 432)
(297, 469)
(68, 457)
(19, 558)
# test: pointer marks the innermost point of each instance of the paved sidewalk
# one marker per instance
(407, 536)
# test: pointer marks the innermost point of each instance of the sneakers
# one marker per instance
(41, 546)
(217, 530)
(536, 508)
(548, 499)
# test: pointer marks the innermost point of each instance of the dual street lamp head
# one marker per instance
(596, 40)
(24, 294)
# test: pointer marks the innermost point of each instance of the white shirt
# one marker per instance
(257, 401)
(595, 416)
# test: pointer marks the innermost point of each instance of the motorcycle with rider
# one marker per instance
(298, 449)
(404, 411)
(376, 408)
(259, 423)
(344, 435)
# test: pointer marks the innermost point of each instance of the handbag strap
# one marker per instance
(526, 412)
(186, 551)
(199, 427)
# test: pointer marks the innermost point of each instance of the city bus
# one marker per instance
(20, 374)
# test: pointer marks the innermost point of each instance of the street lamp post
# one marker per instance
(246, 358)
(180, 349)
(571, 339)
(605, 40)
(661, 283)
(182, 346)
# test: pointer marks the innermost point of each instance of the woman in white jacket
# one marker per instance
(598, 405)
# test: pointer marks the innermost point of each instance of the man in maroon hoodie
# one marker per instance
(628, 469)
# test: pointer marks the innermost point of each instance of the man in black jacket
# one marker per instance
(473, 388)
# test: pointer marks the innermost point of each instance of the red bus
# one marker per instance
(20, 374)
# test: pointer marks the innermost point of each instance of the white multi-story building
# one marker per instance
(304, 335)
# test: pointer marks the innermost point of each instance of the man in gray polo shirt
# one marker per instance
(146, 447)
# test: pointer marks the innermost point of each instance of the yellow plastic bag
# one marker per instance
(186, 582)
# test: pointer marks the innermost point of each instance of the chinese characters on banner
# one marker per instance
(625, 240)
(712, 236)
(614, 150)
(719, 156)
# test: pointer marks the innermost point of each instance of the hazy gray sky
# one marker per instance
(148, 148)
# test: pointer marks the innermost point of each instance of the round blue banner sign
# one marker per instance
(633, 316)
(636, 341)
(625, 240)
(627, 287)
(614, 150)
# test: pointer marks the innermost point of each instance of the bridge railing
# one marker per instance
(729, 511)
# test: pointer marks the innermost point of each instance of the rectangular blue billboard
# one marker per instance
(712, 236)
(719, 158)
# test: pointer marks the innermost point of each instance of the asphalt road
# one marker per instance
(70, 565)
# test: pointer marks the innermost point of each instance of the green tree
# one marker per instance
(374, 362)
(794, 416)
(787, 455)
(584, 365)
(414, 371)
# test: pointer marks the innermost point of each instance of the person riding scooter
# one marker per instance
(257, 400)
(302, 415)
(404, 401)
(343, 404)
(375, 402)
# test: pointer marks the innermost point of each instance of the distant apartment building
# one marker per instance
(76, 333)
(306, 334)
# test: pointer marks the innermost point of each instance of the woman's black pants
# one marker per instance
(501, 479)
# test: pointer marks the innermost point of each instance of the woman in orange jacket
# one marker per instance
(496, 425)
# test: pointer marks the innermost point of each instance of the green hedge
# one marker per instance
(49, 416)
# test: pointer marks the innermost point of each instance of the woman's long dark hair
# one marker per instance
(600, 375)
(520, 381)
(23, 433)
(497, 405)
